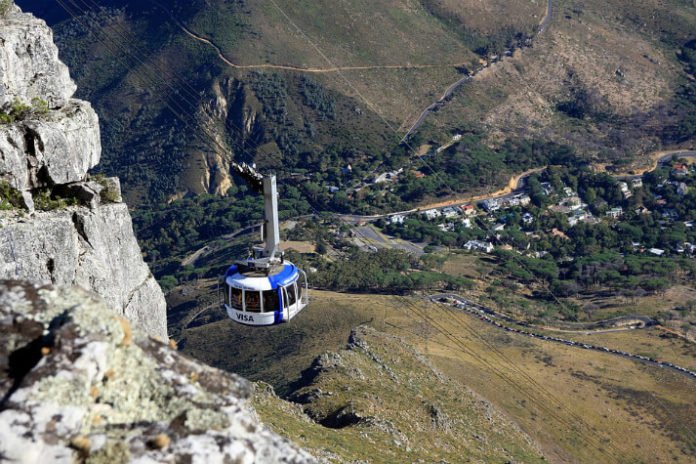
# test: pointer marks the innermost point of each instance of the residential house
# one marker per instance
(512, 201)
(656, 251)
(527, 218)
(525, 200)
(680, 170)
(682, 189)
(468, 210)
(670, 214)
(432, 214)
(575, 203)
(450, 212)
(637, 182)
(478, 245)
(547, 188)
(615, 213)
(642, 210)
(491, 205)
(625, 191)
(397, 219)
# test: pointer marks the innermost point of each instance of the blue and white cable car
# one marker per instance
(264, 290)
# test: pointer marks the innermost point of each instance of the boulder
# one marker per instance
(79, 383)
(29, 64)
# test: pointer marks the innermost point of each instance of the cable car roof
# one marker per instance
(282, 276)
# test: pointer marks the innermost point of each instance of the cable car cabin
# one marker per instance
(262, 298)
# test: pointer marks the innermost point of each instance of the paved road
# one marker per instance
(491, 317)
(518, 183)
(368, 235)
(661, 161)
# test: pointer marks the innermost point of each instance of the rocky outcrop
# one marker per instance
(78, 383)
(58, 147)
(93, 248)
(85, 236)
(29, 64)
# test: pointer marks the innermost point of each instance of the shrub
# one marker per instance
(18, 110)
(108, 194)
(44, 201)
(9, 197)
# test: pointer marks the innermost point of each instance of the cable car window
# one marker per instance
(300, 290)
(253, 301)
(292, 298)
(236, 298)
(270, 301)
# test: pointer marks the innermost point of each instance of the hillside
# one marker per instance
(575, 405)
(311, 86)
(381, 400)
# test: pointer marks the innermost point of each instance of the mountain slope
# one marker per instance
(382, 401)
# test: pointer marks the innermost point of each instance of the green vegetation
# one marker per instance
(108, 194)
(171, 231)
(19, 111)
(5, 6)
(391, 271)
(45, 200)
(472, 165)
(10, 198)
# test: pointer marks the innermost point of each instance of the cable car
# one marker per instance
(266, 289)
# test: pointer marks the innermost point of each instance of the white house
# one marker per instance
(491, 205)
(397, 219)
(432, 214)
(478, 245)
(615, 213)
(525, 200)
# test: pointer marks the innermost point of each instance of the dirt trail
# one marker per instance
(310, 70)
(543, 25)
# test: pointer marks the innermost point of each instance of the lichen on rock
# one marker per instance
(85, 235)
(91, 387)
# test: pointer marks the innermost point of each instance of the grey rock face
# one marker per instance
(95, 249)
(79, 384)
(92, 246)
(29, 64)
(56, 148)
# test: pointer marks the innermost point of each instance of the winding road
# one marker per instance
(489, 316)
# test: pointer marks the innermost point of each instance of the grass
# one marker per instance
(44, 200)
(5, 6)
(579, 406)
(404, 410)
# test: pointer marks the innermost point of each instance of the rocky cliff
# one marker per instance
(58, 224)
(78, 383)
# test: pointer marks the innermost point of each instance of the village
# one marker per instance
(544, 210)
